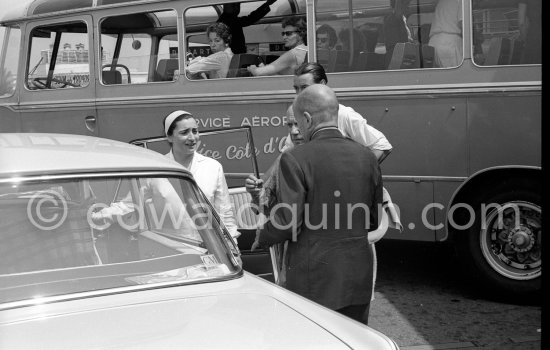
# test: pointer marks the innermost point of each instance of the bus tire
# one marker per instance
(506, 260)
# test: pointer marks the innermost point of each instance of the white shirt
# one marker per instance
(217, 64)
(447, 17)
(208, 173)
(352, 125)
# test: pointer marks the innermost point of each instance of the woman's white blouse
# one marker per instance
(208, 173)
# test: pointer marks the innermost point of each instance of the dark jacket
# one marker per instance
(236, 24)
(331, 265)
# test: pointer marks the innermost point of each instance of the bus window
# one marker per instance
(59, 57)
(10, 39)
(387, 35)
(506, 33)
(148, 52)
(262, 43)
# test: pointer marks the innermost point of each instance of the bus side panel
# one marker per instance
(411, 198)
(8, 117)
(442, 192)
(415, 126)
(505, 129)
(144, 117)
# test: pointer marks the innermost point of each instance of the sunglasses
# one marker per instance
(288, 32)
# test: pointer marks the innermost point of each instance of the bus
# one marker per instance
(466, 162)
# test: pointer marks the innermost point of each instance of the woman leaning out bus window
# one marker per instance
(216, 65)
(295, 38)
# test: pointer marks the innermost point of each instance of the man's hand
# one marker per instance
(253, 185)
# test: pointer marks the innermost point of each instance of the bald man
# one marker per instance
(330, 189)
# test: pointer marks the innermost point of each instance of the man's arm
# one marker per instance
(354, 126)
(256, 15)
(287, 215)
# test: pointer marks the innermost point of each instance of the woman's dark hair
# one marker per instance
(222, 30)
(313, 68)
(175, 122)
(332, 37)
(301, 26)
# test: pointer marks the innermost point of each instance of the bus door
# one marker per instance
(58, 93)
(138, 68)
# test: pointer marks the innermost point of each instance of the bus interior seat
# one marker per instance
(327, 58)
(342, 61)
(166, 68)
(500, 52)
(407, 56)
(517, 50)
(369, 61)
(239, 63)
(269, 58)
(428, 56)
(111, 77)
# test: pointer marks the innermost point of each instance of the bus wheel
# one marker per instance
(503, 247)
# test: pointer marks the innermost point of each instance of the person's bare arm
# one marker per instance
(284, 61)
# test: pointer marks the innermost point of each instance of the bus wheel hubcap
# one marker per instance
(511, 240)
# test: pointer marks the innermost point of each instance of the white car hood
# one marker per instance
(244, 313)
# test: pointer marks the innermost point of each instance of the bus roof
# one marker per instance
(28, 8)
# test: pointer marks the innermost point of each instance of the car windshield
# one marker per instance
(88, 233)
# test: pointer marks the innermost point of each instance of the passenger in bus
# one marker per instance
(396, 29)
(181, 129)
(326, 37)
(216, 65)
(359, 40)
(446, 33)
(230, 17)
(295, 38)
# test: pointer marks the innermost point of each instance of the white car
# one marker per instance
(108, 245)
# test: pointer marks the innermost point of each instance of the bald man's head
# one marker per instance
(315, 107)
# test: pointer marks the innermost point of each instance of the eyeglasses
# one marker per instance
(288, 32)
(323, 40)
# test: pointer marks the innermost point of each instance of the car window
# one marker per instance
(140, 229)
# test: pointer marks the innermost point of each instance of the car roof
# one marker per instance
(35, 153)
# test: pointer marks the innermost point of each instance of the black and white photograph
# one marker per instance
(271, 174)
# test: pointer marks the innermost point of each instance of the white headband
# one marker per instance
(170, 119)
